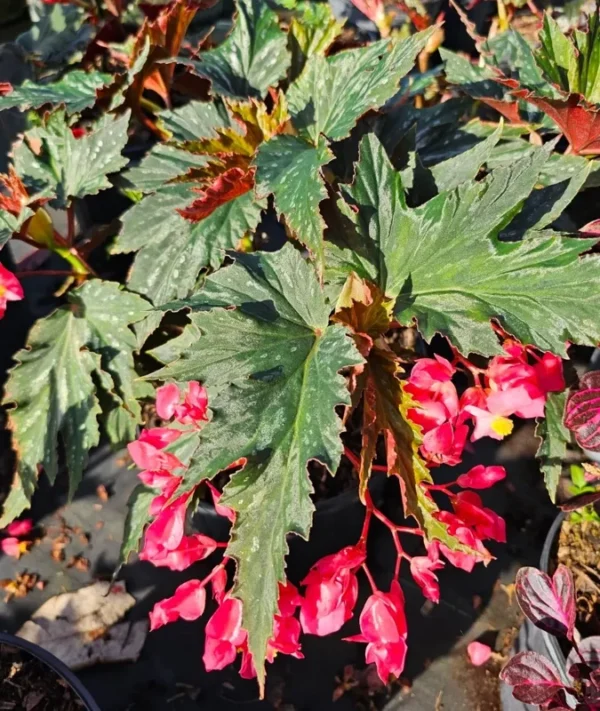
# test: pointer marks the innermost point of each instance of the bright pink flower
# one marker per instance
(289, 599)
(383, 628)
(191, 411)
(519, 388)
(219, 584)
(475, 396)
(481, 477)
(524, 400)
(285, 639)
(549, 373)
(463, 534)
(224, 635)
(484, 522)
(489, 424)
(20, 528)
(10, 289)
(427, 372)
(431, 387)
(168, 527)
(162, 480)
(147, 456)
(445, 444)
(478, 653)
(13, 546)
(331, 592)
(422, 569)
(373, 9)
(167, 399)
(187, 603)
(160, 437)
(190, 550)
(219, 508)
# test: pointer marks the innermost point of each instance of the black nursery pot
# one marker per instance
(58, 667)
(337, 522)
(553, 648)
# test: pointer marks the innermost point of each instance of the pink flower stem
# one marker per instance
(442, 487)
(459, 359)
(222, 545)
(367, 572)
(212, 573)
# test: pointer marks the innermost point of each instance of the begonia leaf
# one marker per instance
(456, 286)
(52, 389)
(276, 390)
(252, 58)
(76, 91)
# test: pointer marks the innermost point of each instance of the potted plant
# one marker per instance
(272, 367)
(549, 603)
(31, 676)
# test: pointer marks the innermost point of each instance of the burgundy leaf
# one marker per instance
(582, 412)
(548, 602)
(581, 500)
(534, 679)
(589, 649)
(592, 228)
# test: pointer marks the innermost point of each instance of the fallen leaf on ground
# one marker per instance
(102, 493)
(81, 629)
(79, 563)
(20, 586)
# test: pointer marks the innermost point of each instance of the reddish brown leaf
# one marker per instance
(226, 187)
(15, 194)
(508, 109)
(578, 120)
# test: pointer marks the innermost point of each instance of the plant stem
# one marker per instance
(367, 572)
(70, 224)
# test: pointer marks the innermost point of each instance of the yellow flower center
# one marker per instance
(502, 425)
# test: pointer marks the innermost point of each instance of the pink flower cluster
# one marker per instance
(515, 383)
(165, 542)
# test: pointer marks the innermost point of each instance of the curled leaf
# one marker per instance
(582, 415)
(534, 679)
(548, 602)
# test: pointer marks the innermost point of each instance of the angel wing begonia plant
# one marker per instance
(282, 348)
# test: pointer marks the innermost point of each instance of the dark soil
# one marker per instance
(26, 684)
(579, 549)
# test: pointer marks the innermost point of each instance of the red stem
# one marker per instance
(355, 461)
(367, 572)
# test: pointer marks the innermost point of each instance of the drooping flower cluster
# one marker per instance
(515, 383)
